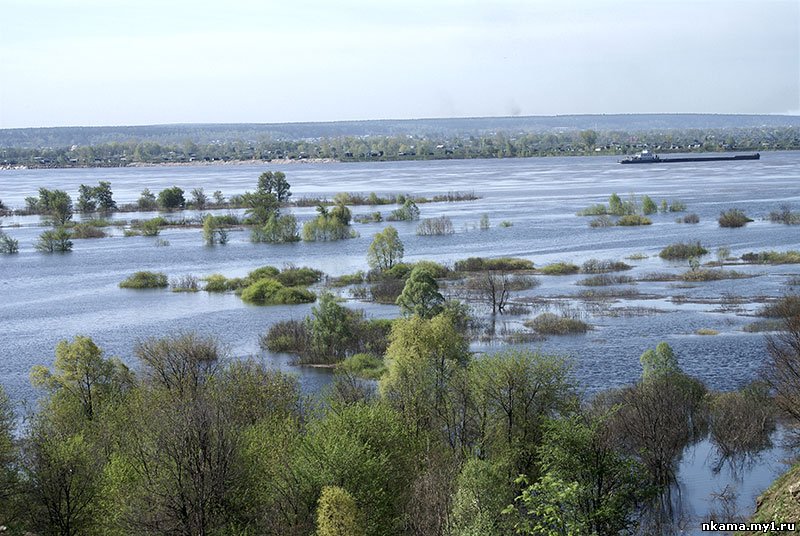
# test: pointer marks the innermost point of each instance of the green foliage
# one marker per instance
(277, 230)
(171, 198)
(263, 272)
(601, 221)
(549, 508)
(147, 200)
(214, 231)
(420, 294)
(553, 324)
(151, 227)
(338, 514)
(595, 266)
(331, 329)
(95, 198)
(677, 206)
(298, 277)
(648, 206)
(333, 225)
(659, 362)
(773, 257)
(479, 264)
(145, 280)
(385, 250)
(630, 220)
(482, 491)
(560, 268)
(56, 205)
(54, 241)
(275, 184)
(271, 292)
(86, 230)
(9, 475)
(733, 217)
(408, 212)
(217, 283)
(682, 251)
(260, 207)
(435, 226)
(8, 245)
(364, 366)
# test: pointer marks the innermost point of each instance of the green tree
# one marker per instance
(86, 202)
(8, 245)
(105, 197)
(9, 476)
(648, 206)
(659, 362)
(198, 199)
(275, 184)
(385, 250)
(331, 329)
(260, 206)
(56, 204)
(548, 507)
(483, 490)
(421, 294)
(337, 513)
(54, 241)
(214, 231)
(147, 200)
(171, 198)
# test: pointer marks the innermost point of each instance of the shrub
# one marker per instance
(506, 223)
(785, 216)
(290, 336)
(601, 221)
(408, 212)
(733, 218)
(435, 226)
(85, 230)
(594, 210)
(184, 283)
(773, 257)
(151, 227)
(786, 307)
(477, 264)
(373, 217)
(387, 290)
(711, 275)
(216, 283)
(298, 277)
(7, 244)
(347, 279)
(141, 280)
(326, 227)
(677, 206)
(277, 230)
(560, 268)
(265, 272)
(437, 270)
(682, 251)
(648, 206)
(171, 198)
(364, 365)
(54, 241)
(271, 292)
(760, 326)
(690, 218)
(214, 231)
(603, 280)
(553, 324)
(630, 220)
(595, 266)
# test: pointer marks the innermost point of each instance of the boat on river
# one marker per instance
(646, 157)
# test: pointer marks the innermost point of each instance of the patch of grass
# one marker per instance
(773, 257)
(553, 324)
(677, 206)
(595, 266)
(347, 279)
(637, 257)
(363, 365)
(704, 274)
(141, 280)
(630, 220)
(659, 276)
(478, 264)
(603, 280)
(683, 250)
(560, 268)
(706, 331)
(733, 218)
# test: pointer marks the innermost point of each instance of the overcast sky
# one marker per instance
(118, 62)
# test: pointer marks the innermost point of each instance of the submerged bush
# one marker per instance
(184, 283)
(435, 226)
(603, 280)
(601, 221)
(733, 218)
(408, 212)
(298, 277)
(271, 292)
(86, 230)
(477, 264)
(560, 268)
(145, 280)
(7, 244)
(702, 274)
(277, 230)
(785, 216)
(553, 324)
(690, 218)
(216, 283)
(595, 266)
(631, 220)
(54, 241)
(773, 257)
(683, 250)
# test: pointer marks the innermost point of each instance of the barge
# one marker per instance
(646, 157)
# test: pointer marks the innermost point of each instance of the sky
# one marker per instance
(136, 62)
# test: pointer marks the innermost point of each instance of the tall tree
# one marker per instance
(385, 250)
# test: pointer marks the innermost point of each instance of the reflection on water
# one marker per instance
(46, 298)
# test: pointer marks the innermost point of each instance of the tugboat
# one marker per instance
(646, 157)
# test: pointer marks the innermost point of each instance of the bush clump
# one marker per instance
(601, 221)
(184, 283)
(703, 274)
(271, 292)
(56, 240)
(217, 283)
(298, 277)
(689, 218)
(366, 366)
(435, 226)
(785, 216)
(553, 324)
(631, 220)
(141, 280)
(733, 218)
(604, 280)
(8, 245)
(595, 266)
(477, 264)
(408, 212)
(347, 279)
(773, 257)
(683, 250)
(86, 230)
(560, 268)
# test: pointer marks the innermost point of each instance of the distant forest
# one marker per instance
(497, 137)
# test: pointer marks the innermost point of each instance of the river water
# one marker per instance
(47, 298)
